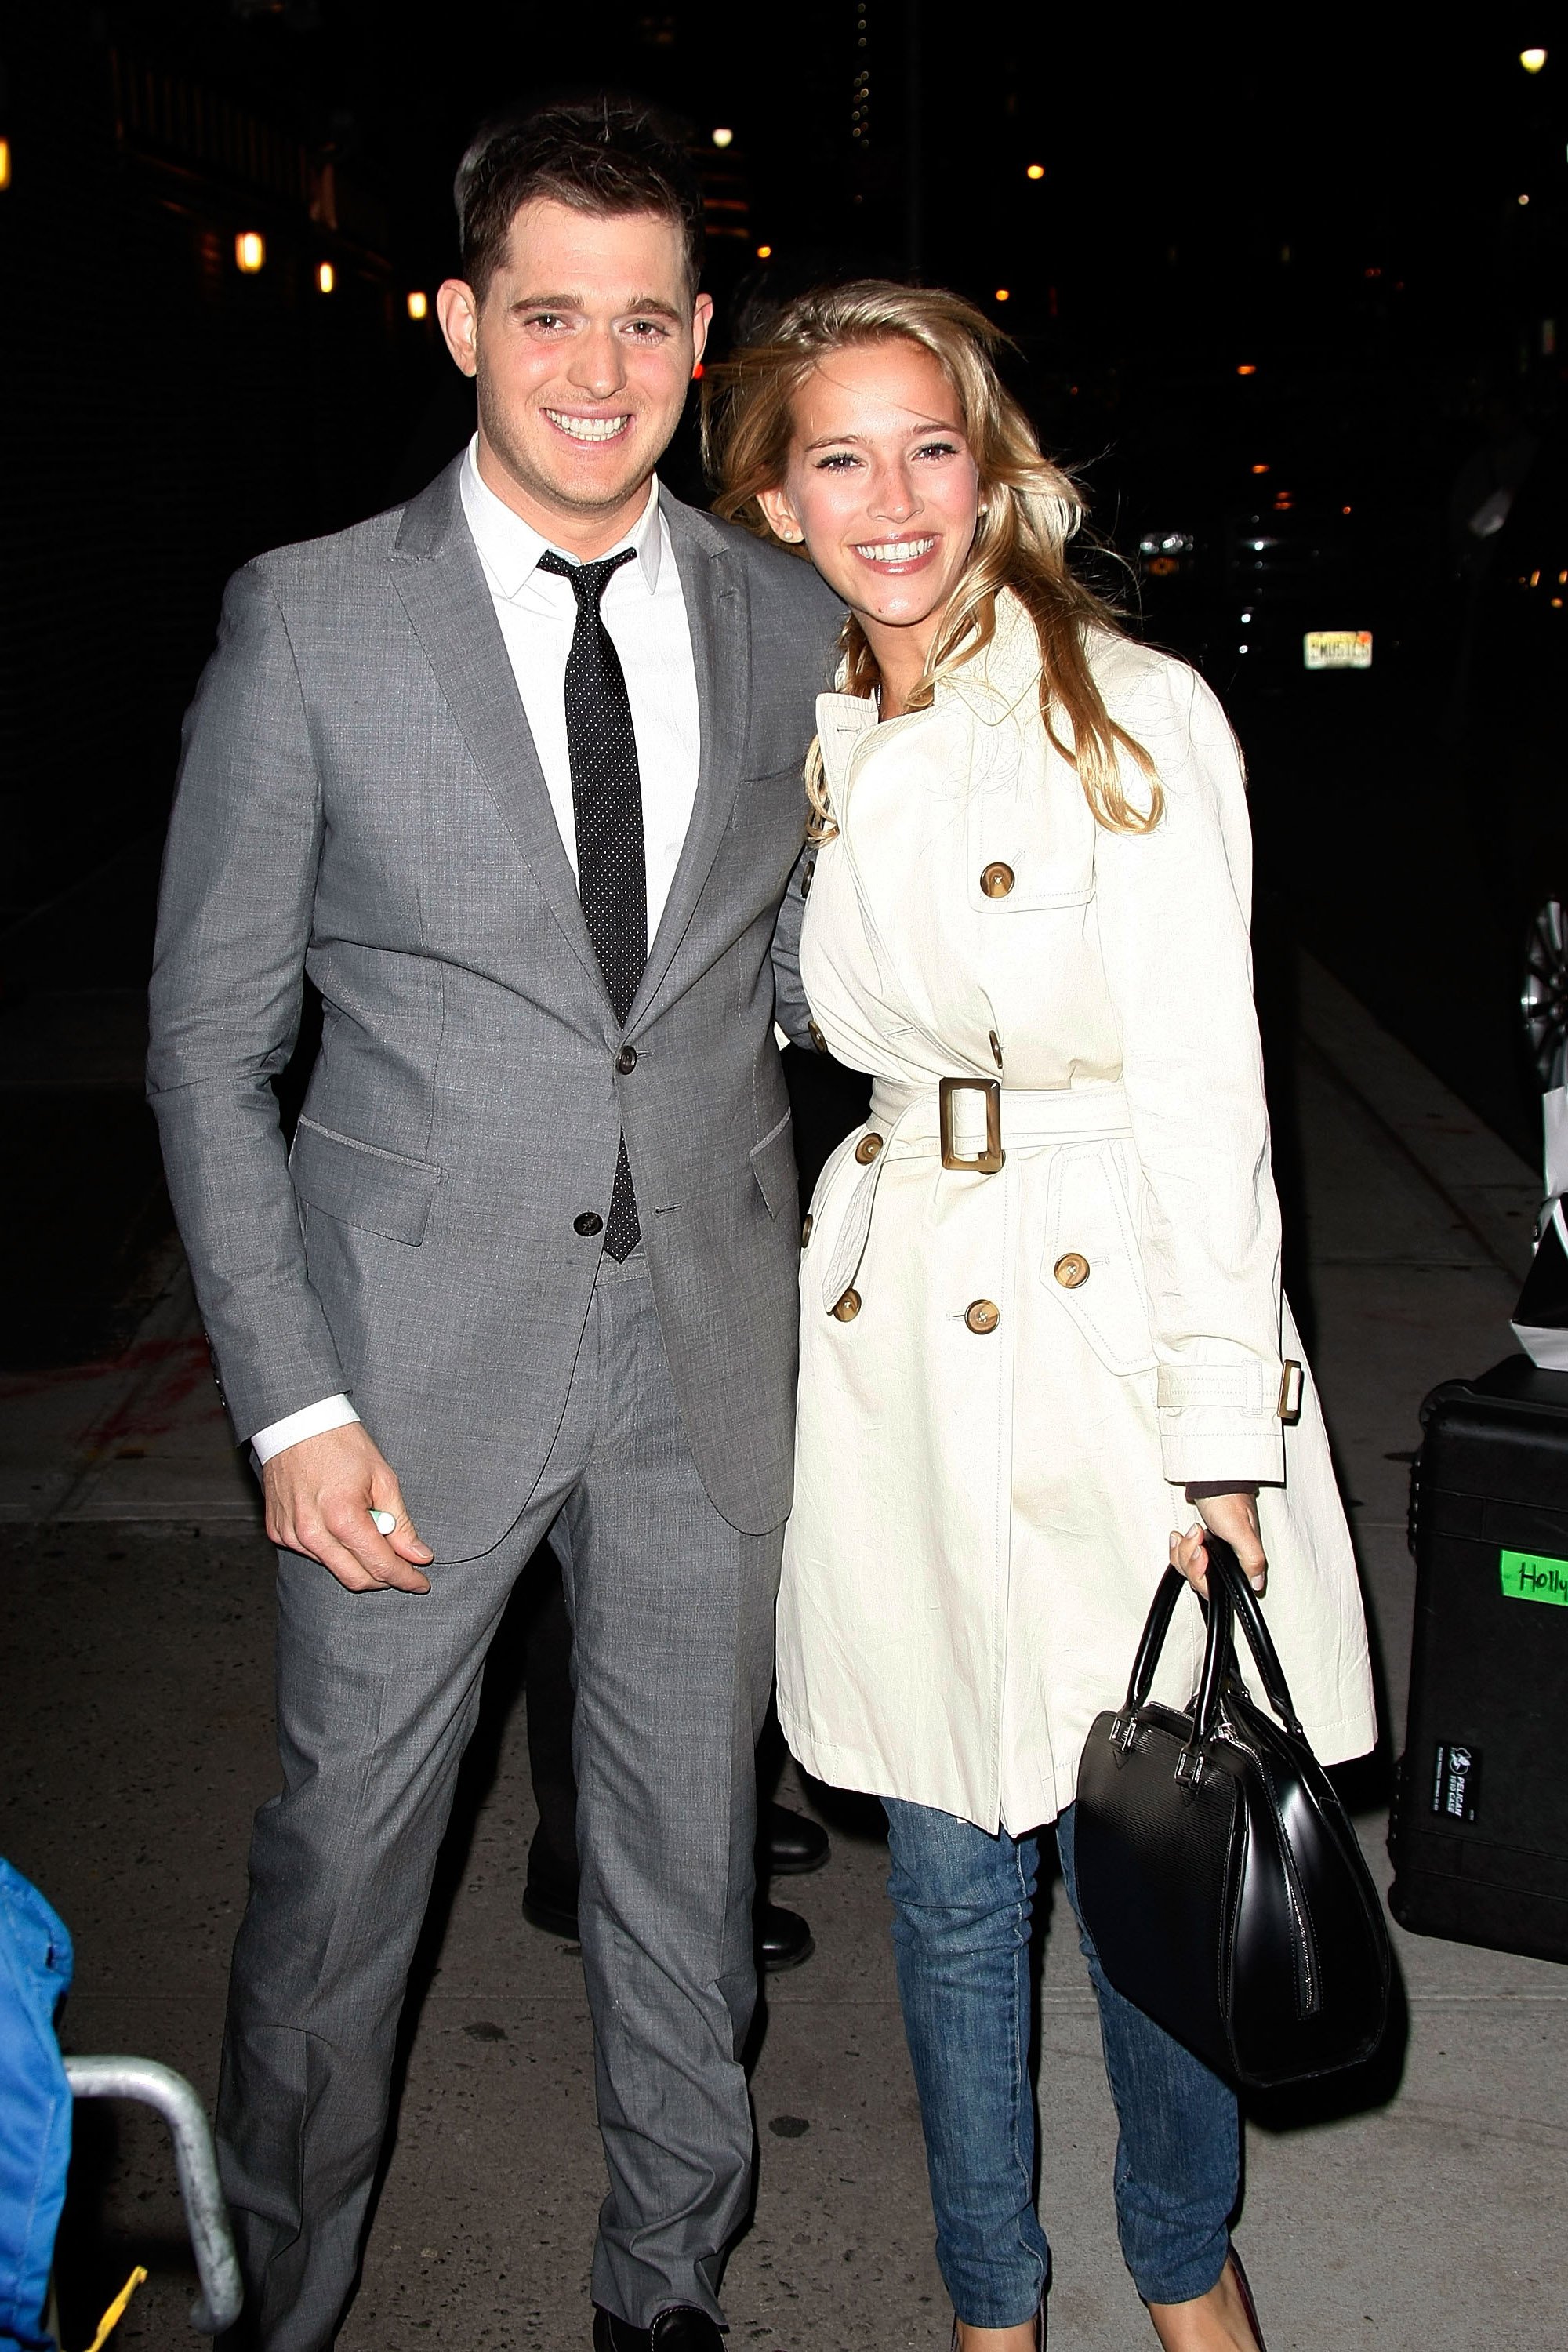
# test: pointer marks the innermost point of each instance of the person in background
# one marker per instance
(1040, 1309)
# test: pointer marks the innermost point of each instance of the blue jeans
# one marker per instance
(962, 1905)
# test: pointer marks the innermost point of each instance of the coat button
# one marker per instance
(982, 1315)
(817, 1039)
(848, 1306)
(587, 1224)
(996, 1049)
(997, 880)
(805, 879)
(865, 1151)
(805, 1233)
(626, 1060)
(1071, 1270)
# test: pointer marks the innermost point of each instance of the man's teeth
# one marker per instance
(588, 428)
(896, 551)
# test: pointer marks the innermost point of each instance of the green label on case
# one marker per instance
(1531, 1576)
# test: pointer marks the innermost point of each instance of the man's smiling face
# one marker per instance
(584, 344)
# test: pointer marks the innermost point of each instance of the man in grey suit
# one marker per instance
(514, 772)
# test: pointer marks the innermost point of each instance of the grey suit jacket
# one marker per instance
(360, 798)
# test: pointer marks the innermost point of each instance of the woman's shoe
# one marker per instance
(1245, 2286)
(1039, 2330)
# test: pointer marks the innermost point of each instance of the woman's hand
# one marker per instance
(1233, 1518)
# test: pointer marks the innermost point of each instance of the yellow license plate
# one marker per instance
(1337, 648)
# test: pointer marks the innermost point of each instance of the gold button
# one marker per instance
(865, 1151)
(997, 880)
(984, 1315)
(817, 1039)
(1071, 1270)
(805, 1233)
(996, 1049)
(848, 1306)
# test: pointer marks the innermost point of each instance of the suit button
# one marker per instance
(997, 880)
(817, 1039)
(587, 1224)
(1071, 1270)
(848, 1306)
(626, 1060)
(984, 1316)
(805, 1233)
(865, 1151)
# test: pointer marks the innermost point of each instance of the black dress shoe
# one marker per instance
(790, 1845)
(555, 1914)
(784, 1939)
(682, 2328)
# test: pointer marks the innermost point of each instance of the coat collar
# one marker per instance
(438, 575)
(992, 685)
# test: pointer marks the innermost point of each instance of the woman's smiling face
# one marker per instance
(881, 487)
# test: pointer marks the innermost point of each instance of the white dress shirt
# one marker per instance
(645, 612)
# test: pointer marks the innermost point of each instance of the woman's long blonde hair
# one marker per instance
(1028, 513)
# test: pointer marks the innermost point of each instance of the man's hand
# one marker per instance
(1233, 1518)
(320, 1497)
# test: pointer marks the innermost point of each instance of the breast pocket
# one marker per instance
(1092, 1265)
(1029, 842)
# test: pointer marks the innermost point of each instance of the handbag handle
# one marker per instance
(1259, 1641)
(1230, 1597)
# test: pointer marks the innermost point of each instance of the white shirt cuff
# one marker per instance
(331, 1413)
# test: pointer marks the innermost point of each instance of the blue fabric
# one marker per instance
(35, 2107)
(962, 1906)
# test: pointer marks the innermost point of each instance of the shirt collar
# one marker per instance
(511, 548)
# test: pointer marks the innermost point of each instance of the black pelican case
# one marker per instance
(1479, 1832)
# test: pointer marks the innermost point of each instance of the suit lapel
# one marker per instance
(438, 576)
(718, 614)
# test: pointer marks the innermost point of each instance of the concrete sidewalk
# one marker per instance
(1417, 2209)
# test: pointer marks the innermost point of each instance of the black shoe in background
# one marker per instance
(789, 1844)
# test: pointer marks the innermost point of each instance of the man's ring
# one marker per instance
(385, 1521)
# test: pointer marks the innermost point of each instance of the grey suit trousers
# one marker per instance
(672, 1610)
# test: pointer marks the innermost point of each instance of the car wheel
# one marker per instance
(1543, 992)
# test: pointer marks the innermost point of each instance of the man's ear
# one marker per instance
(701, 320)
(458, 309)
(781, 516)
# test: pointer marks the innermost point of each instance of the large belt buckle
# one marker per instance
(988, 1161)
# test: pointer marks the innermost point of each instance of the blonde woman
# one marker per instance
(1040, 1288)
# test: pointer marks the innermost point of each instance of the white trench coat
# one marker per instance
(993, 1444)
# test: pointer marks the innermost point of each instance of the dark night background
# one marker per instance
(1290, 294)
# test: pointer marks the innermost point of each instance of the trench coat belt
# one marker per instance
(908, 1119)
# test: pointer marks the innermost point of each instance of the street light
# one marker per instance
(1532, 60)
(326, 277)
(5, 162)
(1035, 172)
(765, 252)
(723, 138)
(419, 306)
(249, 251)
(1003, 294)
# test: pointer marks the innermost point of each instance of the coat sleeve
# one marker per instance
(234, 922)
(1173, 908)
(791, 1010)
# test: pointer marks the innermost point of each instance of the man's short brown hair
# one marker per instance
(606, 157)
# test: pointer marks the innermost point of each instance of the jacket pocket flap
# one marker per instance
(772, 1165)
(362, 1184)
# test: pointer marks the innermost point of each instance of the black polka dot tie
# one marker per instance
(606, 809)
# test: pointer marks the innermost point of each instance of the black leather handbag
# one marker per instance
(1219, 1877)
